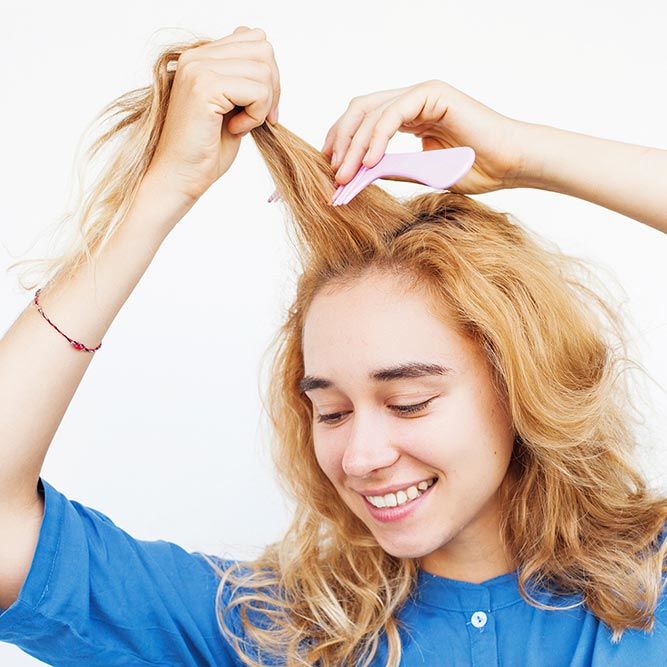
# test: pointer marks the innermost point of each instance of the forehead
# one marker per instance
(374, 321)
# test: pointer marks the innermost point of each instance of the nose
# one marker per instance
(369, 445)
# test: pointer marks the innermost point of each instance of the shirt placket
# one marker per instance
(481, 626)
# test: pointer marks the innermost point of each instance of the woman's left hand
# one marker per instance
(443, 117)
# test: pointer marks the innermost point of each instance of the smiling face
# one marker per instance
(462, 435)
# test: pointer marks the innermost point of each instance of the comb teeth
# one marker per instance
(335, 195)
(354, 187)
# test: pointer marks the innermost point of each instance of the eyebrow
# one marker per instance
(410, 369)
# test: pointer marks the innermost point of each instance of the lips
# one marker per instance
(387, 514)
(381, 491)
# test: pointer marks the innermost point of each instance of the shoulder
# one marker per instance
(93, 589)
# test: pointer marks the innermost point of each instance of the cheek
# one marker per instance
(328, 460)
(483, 469)
(479, 424)
(478, 443)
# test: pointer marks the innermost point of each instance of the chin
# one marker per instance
(408, 548)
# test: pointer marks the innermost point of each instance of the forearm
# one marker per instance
(626, 178)
(39, 370)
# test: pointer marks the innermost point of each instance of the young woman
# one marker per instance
(446, 396)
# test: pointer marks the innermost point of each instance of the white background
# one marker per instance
(166, 433)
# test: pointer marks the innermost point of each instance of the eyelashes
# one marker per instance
(333, 417)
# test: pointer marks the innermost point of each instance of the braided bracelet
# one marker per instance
(76, 345)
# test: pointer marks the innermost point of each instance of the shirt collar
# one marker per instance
(456, 595)
(489, 595)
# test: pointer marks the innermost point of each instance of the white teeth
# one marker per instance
(400, 497)
(390, 500)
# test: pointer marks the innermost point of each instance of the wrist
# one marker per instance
(531, 140)
(163, 206)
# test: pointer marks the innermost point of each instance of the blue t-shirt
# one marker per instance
(94, 595)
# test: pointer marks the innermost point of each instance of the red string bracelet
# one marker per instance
(76, 345)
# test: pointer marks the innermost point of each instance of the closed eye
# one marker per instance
(333, 417)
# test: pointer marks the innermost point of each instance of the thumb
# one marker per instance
(236, 111)
(226, 135)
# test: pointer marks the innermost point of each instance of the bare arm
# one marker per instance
(39, 370)
(626, 178)
(200, 136)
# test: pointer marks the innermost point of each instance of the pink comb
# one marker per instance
(439, 169)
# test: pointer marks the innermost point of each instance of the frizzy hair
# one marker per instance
(578, 517)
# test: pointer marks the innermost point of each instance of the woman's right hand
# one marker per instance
(443, 117)
(221, 90)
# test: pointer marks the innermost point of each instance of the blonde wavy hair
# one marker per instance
(578, 516)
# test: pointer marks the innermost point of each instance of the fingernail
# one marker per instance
(334, 159)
